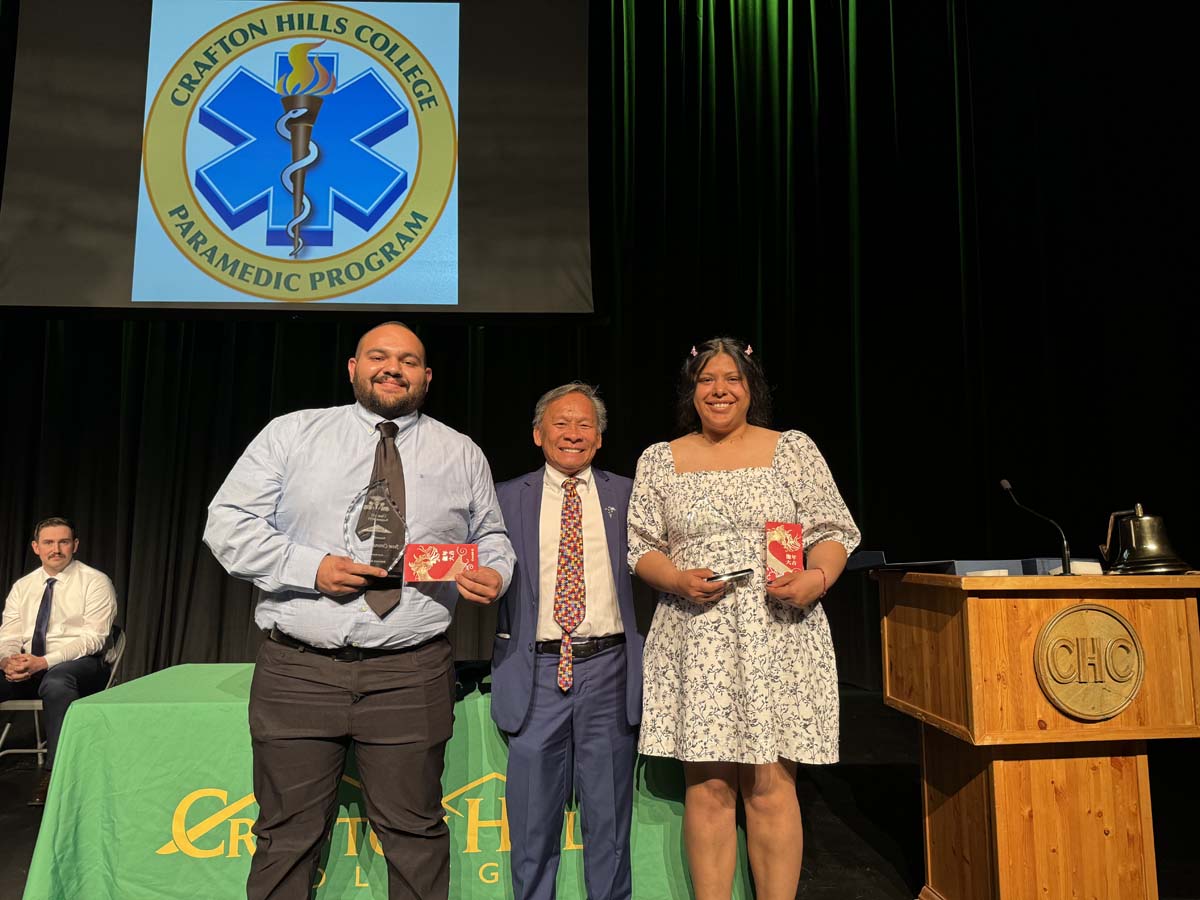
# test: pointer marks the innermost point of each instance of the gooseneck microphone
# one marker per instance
(1066, 550)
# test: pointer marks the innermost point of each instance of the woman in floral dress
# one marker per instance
(740, 680)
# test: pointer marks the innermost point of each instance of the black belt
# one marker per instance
(583, 648)
(343, 654)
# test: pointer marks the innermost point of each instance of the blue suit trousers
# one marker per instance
(574, 742)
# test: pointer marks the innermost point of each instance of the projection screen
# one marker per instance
(249, 155)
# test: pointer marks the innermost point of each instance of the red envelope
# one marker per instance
(439, 562)
(785, 549)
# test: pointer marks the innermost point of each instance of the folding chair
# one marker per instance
(112, 656)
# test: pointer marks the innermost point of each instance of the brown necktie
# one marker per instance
(382, 516)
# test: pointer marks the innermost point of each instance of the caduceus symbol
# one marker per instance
(301, 91)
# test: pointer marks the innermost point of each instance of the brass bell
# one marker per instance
(1137, 545)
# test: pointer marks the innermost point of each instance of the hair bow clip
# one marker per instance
(748, 350)
(694, 353)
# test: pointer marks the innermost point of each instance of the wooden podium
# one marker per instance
(1037, 695)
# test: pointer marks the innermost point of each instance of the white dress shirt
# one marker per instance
(82, 610)
(602, 616)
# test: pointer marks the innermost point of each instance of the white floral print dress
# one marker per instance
(746, 679)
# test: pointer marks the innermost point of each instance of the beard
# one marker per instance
(390, 408)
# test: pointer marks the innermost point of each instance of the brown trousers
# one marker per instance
(305, 711)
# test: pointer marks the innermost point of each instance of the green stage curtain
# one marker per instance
(958, 234)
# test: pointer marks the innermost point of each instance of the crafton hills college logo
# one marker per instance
(300, 151)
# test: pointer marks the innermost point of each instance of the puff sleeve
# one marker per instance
(647, 505)
(819, 505)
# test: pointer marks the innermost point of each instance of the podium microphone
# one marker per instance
(1066, 550)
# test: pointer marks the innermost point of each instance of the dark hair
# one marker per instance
(748, 367)
(52, 522)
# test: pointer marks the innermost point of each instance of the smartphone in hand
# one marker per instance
(731, 576)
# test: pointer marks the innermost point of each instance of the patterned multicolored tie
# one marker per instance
(569, 605)
(41, 625)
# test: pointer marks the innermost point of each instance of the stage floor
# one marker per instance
(862, 817)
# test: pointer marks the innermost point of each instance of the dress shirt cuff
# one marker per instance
(503, 568)
(300, 571)
(53, 658)
(495, 552)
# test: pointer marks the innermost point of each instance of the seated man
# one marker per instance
(56, 621)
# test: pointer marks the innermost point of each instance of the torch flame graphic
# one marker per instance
(307, 76)
(300, 92)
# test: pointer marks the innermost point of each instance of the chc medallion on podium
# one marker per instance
(1089, 662)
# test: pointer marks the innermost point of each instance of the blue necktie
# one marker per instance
(37, 646)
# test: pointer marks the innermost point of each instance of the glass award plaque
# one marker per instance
(374, 528)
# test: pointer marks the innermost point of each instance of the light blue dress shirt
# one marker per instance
(283, 508)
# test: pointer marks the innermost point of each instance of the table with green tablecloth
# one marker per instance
(152, 799)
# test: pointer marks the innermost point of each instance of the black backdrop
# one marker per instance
(958, 234)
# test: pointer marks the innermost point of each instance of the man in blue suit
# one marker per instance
(567, 662)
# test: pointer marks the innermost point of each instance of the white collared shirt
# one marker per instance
(82, 610)
(602, 616)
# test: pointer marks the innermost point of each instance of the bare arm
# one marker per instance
(802, 589)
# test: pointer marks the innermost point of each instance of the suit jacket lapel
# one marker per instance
(611, 524)
(531, 513)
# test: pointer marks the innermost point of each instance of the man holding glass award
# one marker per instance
(317, 513)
